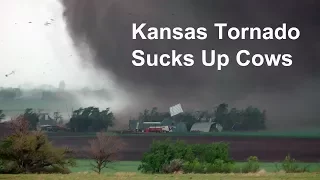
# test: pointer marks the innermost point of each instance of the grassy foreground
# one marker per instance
(137, 176)
(132, 166)
(128, 170)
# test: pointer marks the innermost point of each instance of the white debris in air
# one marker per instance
(176, 109)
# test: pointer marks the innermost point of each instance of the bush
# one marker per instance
(7, 167)
(198, 167)
(188, 167)
(2, 167)
(211, 152)
(162, 153)
(56, 169)
(194, 167)
(252, 165)
(237, 169)
(31, 152)
(174, 166)
(290, 165)
(219, 166)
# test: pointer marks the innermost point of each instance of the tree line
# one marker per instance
(90, 119)
(93, 119)
(231, 119)
(50, 93)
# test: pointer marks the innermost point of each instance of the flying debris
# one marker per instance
(7, 75)
(47, 23)
(175, 110)
(219, 127)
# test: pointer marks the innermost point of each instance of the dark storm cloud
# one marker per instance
(106, 26)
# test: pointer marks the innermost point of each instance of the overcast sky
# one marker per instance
(39, 53)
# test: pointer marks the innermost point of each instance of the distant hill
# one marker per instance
(17, 106)
(14, 101)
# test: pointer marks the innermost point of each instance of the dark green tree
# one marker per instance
(91, 119)
(249, 119)
(253, 119)
(221, 116)
(153, 115)
(32, 117)
(235, 118)
(204, 116)
(2, 115)
(188, 118)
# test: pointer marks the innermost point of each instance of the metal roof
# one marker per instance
(151, 122)
(202, 126)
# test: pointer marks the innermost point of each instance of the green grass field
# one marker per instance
(132, 166)
(311, 133)
(137, 176)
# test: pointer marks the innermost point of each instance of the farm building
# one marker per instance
(205, 127)
(180, 127)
